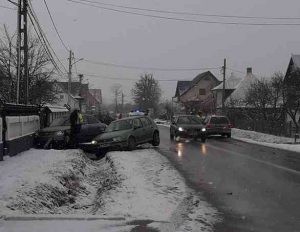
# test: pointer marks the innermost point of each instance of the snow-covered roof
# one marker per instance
(56, 109)
(231, 83)
(239, 94)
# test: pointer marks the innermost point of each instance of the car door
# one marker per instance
(139, 130)
(148, 128)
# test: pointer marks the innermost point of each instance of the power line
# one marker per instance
(184, 19)
(190, 13)
(127, 79)
(60, 38)
(146, 68)
(43, 35)
(6, 7)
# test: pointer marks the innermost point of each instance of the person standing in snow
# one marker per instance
(76, 120)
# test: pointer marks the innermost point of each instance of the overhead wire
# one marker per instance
(43, 35)
(190, 13)
(146, 68)
(54, 25)
(182, 19)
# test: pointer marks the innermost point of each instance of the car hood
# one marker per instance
(191, 126)
(113, 134)
(55, 128)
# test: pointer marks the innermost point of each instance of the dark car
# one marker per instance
(127, 133)
(57, 135)
(218, 125)
(187, 126)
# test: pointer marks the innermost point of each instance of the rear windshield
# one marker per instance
(219, 120)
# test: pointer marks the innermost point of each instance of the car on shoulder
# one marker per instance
(127, 133)
(187, 126)
(57, 135)
(218, 125)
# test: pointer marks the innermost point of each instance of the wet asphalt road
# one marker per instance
(254, 187)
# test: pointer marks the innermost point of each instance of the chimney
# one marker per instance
(249, 70)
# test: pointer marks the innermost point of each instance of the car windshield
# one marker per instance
(119, 125)
(65, 121)
(219, 120)
(189, 120)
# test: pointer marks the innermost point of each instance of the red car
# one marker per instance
(218, 125)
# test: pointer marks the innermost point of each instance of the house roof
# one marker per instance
(296, 60)
(75, 87)
(239, 94)
(231, 83)
(190, 84)
(182, 86)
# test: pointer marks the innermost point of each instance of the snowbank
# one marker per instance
(138, 186)
(265, 139)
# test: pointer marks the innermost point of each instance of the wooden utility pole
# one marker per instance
(22, 52)
(224, 86)
(70, 77)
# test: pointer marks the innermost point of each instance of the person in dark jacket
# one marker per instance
(74, 127)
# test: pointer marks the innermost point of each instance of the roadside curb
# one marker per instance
(58, 218)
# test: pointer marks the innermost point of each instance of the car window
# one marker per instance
(189, 120)
(92, 120)
(219, 120)
(119, 125)
(137, 123)
(146, 122)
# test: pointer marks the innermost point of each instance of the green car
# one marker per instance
(127, 133)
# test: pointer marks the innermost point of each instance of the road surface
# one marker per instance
(255, 188)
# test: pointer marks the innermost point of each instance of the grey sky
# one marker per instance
(112, 37)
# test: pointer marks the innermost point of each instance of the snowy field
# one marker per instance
(131, 186)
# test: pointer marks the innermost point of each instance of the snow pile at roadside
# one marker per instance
(265, 139)
(152, 189)
(49, 181)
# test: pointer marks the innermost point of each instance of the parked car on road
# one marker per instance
(57, 135)
(218, 125)
(127, 133)
(187, 126)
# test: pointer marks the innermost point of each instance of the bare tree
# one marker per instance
(41, 72)
(292, 96)
(146, 92)
(116, 91)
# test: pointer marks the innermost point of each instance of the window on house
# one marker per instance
(201, 91)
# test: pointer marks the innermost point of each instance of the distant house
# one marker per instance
(238, 96)
(230, 85)
(196, 95)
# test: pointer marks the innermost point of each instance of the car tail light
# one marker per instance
(230, 125)
(208, 126)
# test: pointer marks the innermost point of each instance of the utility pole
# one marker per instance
(69, 77)
(224, 82)
(22, 51)
(123, 102)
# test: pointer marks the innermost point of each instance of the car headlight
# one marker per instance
(180, 129)
(94, 142)
(117, 139)
(203, 129)
(59, 133)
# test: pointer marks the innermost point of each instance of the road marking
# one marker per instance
(257, 160)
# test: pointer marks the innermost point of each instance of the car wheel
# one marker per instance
(171, 136)
(229, 135)
(131, 144)
(156, 139)
(203, 139)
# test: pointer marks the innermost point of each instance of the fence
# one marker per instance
(20, 132)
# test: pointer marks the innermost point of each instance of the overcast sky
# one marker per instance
(114, 37)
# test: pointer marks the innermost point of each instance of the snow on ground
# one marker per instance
(265, 139)
(138, 186)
